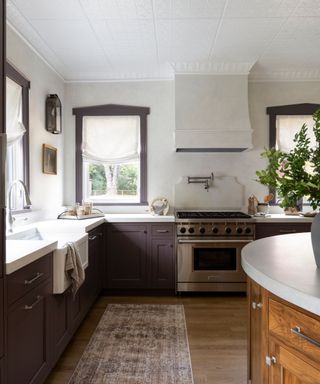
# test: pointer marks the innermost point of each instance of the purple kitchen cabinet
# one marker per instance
(139, 256)
(162, 264)
(273, 229)
(93, 284)
(1, 319)
(28, 349)
(60, 335)
(126, 262)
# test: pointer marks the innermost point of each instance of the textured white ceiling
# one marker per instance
(153, 39)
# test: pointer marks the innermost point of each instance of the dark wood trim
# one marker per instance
(17, 77)
(79, 172)
(3, 306)
(293, 109)
(2, 66)
(112, 110)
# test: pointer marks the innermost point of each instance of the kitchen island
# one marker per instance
(284, 309)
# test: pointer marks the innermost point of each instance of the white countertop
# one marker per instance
(285, 266)
(282, 218)
(20, 253)
(137, 217)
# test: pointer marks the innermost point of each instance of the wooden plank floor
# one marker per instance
(216, 331)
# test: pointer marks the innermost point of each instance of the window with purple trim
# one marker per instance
(17, 129)
(284, 122)
(111, 154)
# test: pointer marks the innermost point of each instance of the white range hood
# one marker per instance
(212, 113)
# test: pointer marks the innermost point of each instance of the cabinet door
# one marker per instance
(93, 283)
(2, 381)
(289, 368)
(28, 335)
(257, 343)
(1, 318)
(59, 320)
(162, 264)
(126, 264)
(75, 312)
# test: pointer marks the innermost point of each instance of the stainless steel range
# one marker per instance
(209, 250)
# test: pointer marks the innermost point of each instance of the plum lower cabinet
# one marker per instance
(273, 229)
(284, 341)
(28, 329)
(140, 256)
(67, 312)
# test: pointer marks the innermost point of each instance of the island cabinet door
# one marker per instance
(287, 367)
(257, 333)
(126, 262)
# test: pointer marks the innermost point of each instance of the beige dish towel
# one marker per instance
(73, 267)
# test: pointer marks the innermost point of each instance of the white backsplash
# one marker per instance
(224, 193)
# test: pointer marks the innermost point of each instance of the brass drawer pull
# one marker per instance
(297, 331)
(287, 230)
(162, 231)
(37, 276)
(29, 307)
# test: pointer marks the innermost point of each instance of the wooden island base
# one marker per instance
(284, 340)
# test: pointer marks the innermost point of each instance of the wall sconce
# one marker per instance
(53, 114)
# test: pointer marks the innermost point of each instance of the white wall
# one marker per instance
(46, 190)
(165, 166)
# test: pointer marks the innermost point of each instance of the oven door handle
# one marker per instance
(212, 241)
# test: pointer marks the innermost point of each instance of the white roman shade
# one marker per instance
(288, 126)
(14, 126)
(111, 139)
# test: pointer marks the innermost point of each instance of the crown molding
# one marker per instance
(22, 28)
(285, 75)
(213, 68)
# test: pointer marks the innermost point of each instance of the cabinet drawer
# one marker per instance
(296, 329)
(273, 229)
(25, 279)
(162, 230)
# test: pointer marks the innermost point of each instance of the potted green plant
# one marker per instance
(296, 174)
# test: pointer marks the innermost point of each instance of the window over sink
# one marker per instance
(111, 154)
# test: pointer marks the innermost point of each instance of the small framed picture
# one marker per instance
(49, 159)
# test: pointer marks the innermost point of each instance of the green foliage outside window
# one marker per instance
(126, 183)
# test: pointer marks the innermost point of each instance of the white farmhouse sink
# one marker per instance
(60, 279)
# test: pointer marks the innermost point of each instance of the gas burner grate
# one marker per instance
(211, 215)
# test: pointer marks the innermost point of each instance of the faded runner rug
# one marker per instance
(137, 344)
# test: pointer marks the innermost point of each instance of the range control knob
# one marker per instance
(248, 230)
(228, 230)
(202, 230)
(239, 230)
(215, 229)
(191, 230)
(182, 230)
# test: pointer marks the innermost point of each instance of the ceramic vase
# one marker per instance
(315, 238)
